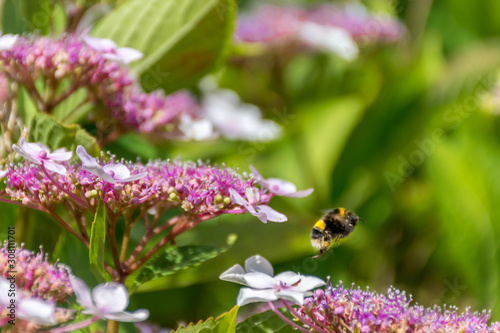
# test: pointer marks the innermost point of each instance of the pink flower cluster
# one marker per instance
(82, 64)
(364, 311)
(197, 188)
(35, 275)
(270, 23)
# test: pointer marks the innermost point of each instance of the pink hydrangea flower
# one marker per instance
(39, 154)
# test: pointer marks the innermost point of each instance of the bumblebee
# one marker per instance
(335, 225)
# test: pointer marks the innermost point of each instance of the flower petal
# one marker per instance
(128, 54)
(90, 164)
(234, 274)
(119, 170)
(256, 173)
(60, 155)
(247, 295)
(280, 186)
(134, 177)
(54, 167)
(271, 214)
(99, 44)
(3, 173)
(259, 280)
(289, 278)
(291, 296)
(129, 317)
(7, 41)
(36, 310)
(238, 199)
(25, 155)
(111, 297)
(82, 292)
(4, 291)
(299, 194)
(260, 264)
(308, 283)
(332, 39)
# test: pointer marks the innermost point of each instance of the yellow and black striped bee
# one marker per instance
(335, 225)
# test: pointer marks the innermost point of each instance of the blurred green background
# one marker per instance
(406, 136)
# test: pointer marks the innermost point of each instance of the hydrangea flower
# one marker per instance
(112, 173)
(280, 187)
(7, 41)
(333, 39)
(111, 51)
(39, 154)
(364, 311)
(107, 301)
(35, 276)
(264, 287)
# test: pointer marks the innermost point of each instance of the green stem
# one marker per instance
(112, 326)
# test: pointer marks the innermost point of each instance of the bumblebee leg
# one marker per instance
(321, 252)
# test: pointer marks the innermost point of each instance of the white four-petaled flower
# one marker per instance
(40, 154)
(112, 173)
(263, 212)
(280, 187)
(264, 287)
(111, 51)
(107, 301)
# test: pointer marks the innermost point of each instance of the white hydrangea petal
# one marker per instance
(259, 280)
(234, 274)
(111, 297)
(99, 44)
(82, 292)
(60, 155)
(36, 310)
(54, 167)
(26, 155)
(33, 149)
(256, 173)
(198, 130)
(271, 214)
(128, 54)
(238, 199)
(119, 170)
(129, 317)
(134, 177)
(7, 41)
(308, 283)
(289, 278)
(248, 295)
(87, 160)
(280, 186)
(299, 194)
(252, 194)
(257, 263)
(291, 296)
(329, 38)
(3, 173)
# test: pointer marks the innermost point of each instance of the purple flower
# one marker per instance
(280, 187)
(263, 212)
(110, 50)
(264, 287)
(39, 154)
(107, 301)
(112, 173)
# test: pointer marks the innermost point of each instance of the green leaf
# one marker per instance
(174, 259)
(264, 322)
(225, 323)
(181, 40)
(45, 129)
(21, 16)
(97, 243)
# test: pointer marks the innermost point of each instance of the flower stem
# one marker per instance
(59, 186)
(112, 326)
(285, 319)
(302, 319)
(74, 327)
